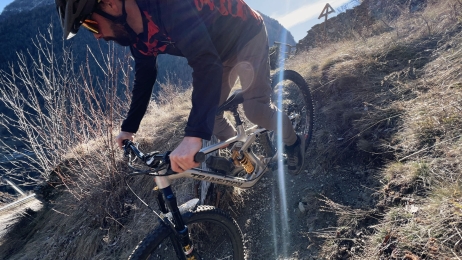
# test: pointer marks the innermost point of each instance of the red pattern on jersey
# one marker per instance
(153, 46)
(225, 7)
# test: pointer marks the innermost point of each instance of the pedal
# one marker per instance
(220, 164)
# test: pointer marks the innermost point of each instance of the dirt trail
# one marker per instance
(261, 219)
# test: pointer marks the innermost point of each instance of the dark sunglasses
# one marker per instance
(91, 25)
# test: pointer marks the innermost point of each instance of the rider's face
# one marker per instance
(110, 31)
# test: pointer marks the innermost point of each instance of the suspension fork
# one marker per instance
(181, 229)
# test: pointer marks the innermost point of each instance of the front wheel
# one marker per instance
(214, 235)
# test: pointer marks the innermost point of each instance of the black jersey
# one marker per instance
(205, 32)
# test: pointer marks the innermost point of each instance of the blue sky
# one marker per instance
(4, 3)
(296, 15)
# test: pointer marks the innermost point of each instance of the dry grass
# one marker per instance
(348, 238)
(394, 99)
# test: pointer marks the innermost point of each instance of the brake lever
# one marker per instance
(127, 151)
(150, 159)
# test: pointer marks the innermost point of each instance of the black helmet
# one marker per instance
(72, 13)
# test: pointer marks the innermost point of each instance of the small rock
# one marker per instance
(412, 209)
(301, 207)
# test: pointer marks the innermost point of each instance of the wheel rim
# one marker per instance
(210, 238)
(293, 103)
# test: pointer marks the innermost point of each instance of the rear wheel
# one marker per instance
(214, 234)
(292, 95)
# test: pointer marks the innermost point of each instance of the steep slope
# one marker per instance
(362, 21)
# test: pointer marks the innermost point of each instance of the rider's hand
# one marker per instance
(182, 158)
(124, 136)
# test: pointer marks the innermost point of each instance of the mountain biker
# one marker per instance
(221, 39)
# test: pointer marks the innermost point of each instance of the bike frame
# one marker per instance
(247, 137)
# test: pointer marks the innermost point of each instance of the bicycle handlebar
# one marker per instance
(153, 159)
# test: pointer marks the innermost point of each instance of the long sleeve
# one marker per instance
(145, 77)
(191, 37)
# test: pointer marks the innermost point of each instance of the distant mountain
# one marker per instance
(19, 6)
(277, 32)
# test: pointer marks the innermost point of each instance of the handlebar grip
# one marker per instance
(199, 157)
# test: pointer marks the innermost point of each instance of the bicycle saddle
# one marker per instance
(235, 99)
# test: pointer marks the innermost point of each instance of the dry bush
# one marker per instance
(60, 121)
(65, 119)
(53, 106)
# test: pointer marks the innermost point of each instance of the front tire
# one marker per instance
(214, 234)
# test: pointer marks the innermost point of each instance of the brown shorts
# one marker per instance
(252, 67)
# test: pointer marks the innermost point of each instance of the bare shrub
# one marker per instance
(57, 112)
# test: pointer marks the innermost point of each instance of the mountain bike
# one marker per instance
(193, 231)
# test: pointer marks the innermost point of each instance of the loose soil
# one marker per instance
(262, 221)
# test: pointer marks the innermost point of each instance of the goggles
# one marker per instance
(91, 25)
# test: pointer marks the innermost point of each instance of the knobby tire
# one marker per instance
(294, 85)
(204, 216)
